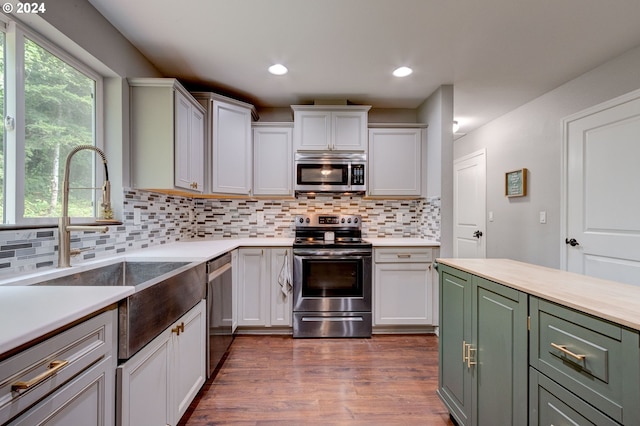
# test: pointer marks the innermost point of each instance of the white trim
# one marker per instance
(16, 33)
(564, 158)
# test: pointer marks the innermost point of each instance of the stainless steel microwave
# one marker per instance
(330, 172)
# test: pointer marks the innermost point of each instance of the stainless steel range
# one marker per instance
(332, 269)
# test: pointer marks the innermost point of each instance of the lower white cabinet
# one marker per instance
(156, 385)
(403, 286)
(261, 301)
(67, 379)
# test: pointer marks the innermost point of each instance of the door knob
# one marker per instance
(477, 234)
(572, 242)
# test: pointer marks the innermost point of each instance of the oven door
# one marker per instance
(332, 280)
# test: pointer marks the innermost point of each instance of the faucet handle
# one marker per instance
(76, 252)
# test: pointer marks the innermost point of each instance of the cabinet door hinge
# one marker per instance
(529, 323)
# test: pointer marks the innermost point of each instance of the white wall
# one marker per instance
(531, 137)
(437, 112)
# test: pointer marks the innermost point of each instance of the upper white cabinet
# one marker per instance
(167, 134)
(395, 161)
(229, 143)
(272, 159)
(330, 128)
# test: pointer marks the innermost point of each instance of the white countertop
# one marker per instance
(28, 312)
(402, 242)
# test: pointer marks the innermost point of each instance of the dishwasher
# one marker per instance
(219, 310)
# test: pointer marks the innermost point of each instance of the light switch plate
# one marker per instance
(543, 217)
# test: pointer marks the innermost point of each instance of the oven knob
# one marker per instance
(301, 219)
(308, 220)
(342, 220)
(349, 220)
(355, 220)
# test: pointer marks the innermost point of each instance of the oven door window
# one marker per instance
(332, 278)
(323, 174)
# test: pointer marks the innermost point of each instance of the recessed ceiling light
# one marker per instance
(402, 71)
(278, 69)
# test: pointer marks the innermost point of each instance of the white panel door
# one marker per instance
(469, 206)
(602, 202)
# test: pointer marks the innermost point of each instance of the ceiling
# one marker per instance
(498, 54)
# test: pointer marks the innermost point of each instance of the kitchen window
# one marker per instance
(50, 104)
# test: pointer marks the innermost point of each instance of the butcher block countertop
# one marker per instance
(610, 300)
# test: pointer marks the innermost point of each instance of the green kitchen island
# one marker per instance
(524, 344)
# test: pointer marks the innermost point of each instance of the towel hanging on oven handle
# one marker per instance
(284, 277)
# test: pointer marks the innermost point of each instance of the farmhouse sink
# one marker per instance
(124, 273)
(164, 292)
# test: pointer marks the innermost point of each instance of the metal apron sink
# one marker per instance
(164, 292)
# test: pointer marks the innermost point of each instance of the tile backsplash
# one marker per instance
(152, 218)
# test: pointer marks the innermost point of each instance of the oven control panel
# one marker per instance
(328, 220)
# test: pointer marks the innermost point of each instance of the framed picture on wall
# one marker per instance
(515, 183)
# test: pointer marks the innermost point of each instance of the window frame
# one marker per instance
(16, 34)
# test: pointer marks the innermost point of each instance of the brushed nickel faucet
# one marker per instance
(64, 224)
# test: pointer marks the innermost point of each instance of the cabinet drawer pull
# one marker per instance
(178, 329)
(53, 368)
(566, 351)
(404, 255)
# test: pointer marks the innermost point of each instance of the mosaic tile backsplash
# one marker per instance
(151, 219)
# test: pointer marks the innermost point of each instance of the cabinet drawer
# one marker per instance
(551, 404)
(594, 359)
(80, 346)
(403, 255)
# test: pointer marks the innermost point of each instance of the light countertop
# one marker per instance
(29, 312)
(402, 242)
(610, 300)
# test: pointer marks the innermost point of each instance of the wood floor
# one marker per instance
(278, 380)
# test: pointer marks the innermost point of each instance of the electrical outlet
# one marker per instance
(260, 217)
(137, 217)
(399, 217)
(490, 216)
(543, 217)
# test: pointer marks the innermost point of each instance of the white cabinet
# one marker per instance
(158, 383)
(69, 378)
(167, 136)
(189, 143)
(395, 161)
(229, 142)
(329, 128)
(404, 293)
(261, 302)
(272, 159)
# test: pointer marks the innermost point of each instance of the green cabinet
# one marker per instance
(590, 361)
(483, 350)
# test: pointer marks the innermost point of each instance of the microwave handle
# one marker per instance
(349, 175)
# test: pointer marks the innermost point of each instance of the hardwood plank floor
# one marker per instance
(278, 380)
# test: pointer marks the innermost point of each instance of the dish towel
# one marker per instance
(284, 277)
